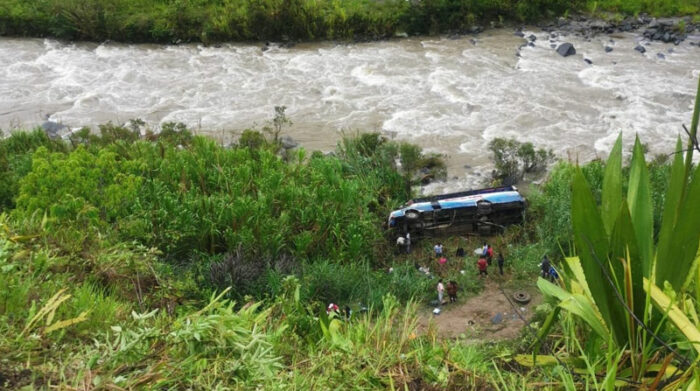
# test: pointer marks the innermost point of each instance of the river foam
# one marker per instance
(450, 96)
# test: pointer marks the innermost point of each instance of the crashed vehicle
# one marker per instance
(482, 211)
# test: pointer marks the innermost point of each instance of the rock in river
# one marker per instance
(608, 49)
(288, 142)
(640, 49)
(566, 49)
(52, 128)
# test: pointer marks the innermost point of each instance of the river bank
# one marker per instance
(152, 21)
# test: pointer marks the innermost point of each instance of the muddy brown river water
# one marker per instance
(448, 95)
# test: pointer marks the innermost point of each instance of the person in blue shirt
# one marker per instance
(553, 275)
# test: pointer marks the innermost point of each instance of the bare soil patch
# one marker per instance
(491, 315)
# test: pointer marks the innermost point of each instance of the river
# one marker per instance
(448, 95)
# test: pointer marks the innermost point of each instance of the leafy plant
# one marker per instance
(618, 264)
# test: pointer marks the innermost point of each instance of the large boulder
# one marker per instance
(52, 128)
(566, 49)
(288, 143)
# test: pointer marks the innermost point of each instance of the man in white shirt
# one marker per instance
(438, 250)
(441, 291)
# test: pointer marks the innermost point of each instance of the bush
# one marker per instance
(514, 159)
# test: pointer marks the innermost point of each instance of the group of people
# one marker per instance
(451, 291)
(548, 270)
(486, 259)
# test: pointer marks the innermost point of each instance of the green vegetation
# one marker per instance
(514, 159)
(244, 20)
(652, 7)
(169, 261)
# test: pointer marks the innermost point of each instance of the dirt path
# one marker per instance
(478, 317)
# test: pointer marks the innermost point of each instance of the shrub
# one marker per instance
(514, 159)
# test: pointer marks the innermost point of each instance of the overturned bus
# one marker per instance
(483, 211)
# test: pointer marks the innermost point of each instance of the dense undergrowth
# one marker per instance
(167, 261)
(244, 20)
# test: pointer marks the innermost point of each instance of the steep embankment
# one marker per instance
(212, 21)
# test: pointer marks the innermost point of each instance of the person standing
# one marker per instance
(400, 244)
(452, 291)
(553, 275)
(408, 242)
(489, 254)
(500, 262)
(332, 309)
(545, 265)
(441, 292)
(438, 250)
(483, 266)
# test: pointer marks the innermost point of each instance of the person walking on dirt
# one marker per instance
(452, 291)
(438, 250)
(441, 292)
(500, 261)
(545, 265)
(483, 266)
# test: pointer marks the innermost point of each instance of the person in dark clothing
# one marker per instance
(452, 291)
(459, 252)
(500, 262)
(545, 265)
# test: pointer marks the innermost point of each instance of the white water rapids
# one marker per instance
(449, 96)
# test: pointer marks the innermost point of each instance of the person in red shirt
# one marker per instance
(332, 308)
(483, 265)
(489, 254)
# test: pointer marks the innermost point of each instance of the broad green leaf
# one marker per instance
(639, 200)
(612, 186)
(578, 305)
(592, 245)
(693, 132)
(685, 238)
(665, 251)
(664, 303)
(574, 264)
(623, 247)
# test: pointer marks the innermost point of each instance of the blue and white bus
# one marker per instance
(482, 211)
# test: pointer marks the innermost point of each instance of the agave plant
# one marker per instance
(616, 283)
